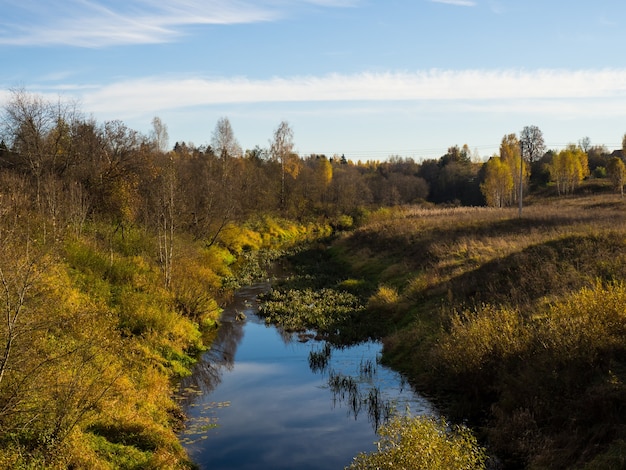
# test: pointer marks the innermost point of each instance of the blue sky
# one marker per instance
(364, 78)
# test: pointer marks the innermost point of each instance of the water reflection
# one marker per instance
(266, 399)
(207, 373)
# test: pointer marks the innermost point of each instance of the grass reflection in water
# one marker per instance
(356, 393)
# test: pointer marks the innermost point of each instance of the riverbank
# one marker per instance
(100, 328)
(514, 324)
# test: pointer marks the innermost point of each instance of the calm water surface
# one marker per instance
(255, 402)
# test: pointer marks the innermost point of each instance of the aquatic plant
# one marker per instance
(324, 310)
(318, 360)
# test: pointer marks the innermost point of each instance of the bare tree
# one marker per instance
(532, 148)
(159, 135)
(532, 144)
(223, 140)
(167, 219)
(40, 134)
(281, 148)
(585, 144)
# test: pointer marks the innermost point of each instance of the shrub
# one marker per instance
(482, 338)
(426, 443)
(239, 239)
(586, 324)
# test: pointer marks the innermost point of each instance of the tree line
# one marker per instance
(80, 167)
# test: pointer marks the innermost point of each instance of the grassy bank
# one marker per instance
(95, 339)
(515, 324)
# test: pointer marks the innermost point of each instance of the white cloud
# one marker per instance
(460, 3)
(448, 85)
(97, 23)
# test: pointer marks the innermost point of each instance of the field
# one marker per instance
(515, 325)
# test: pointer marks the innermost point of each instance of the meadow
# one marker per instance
(513, 325)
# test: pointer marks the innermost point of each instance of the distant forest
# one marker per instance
(78, 164)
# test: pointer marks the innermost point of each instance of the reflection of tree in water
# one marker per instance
(207, 373)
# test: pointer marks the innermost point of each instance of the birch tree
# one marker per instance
(281, 150)
(510, 155)
(498, 183)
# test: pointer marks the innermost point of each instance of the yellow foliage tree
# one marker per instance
(511, 157)
(568, 169)
(498, 185)
(617, 172)
(325, 169)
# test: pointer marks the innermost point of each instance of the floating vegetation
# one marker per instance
(299, 310)
(188, 392)
(196, 432)
(318, 360)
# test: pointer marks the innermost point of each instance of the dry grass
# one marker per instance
(508, 318)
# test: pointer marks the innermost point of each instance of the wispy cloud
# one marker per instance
(460, 3)
(98, 23)
(447, 85)
(334, 3)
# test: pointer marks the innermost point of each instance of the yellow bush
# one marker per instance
(238, 239)
(585, 323)
(425, 443)
(489, 334)
(218, 259)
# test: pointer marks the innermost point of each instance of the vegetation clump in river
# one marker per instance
(325, 310)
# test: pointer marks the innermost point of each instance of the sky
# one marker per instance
(367, 79)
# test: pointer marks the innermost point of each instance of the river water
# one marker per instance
(259, 399)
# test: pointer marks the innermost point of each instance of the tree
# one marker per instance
(568, 168)
(498, 185)
(532, 147)
(510, 154)
(456, 155)
(38, 132)
(617, 172)
(324, 171)
(159, 135)
(223, 140)
(585, 144)
(165, 212)
(532, 143)
(281, 150)
(597, 157)
(117, 178)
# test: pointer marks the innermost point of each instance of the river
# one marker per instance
(265, 399)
